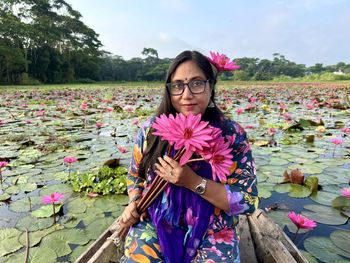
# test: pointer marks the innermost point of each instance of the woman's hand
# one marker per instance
(171, 171)
(130, 216)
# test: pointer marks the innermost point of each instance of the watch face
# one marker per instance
(200, 189)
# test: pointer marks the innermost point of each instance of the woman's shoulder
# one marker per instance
(146, 126)
(233, 127)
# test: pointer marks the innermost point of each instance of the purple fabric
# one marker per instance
(178, 239)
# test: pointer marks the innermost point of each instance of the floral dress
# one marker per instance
(220, 241)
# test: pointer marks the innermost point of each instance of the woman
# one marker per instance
(195, 218)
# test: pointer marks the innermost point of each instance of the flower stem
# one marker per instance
(54, 213)
(295, 235)
(334, 150)
(194, 160)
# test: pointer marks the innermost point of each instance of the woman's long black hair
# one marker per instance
(156, 147)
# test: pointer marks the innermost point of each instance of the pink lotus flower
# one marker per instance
(337, 140)
(271, 131)
(121, 149)
(301, 221)
(345, 192)
(2, 122)
(3, 164)
(187, 132)
(219, 156)
(84, 106)
(52, 198)
(99, 125)
(221, 62)
(287, 116)
(135, 122)
(239, 111)
(249, 127)
(184, 131)
(70, 160)
(28, 121)
(345, 130)
(109, 109)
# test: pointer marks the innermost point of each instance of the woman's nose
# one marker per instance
(187, 92)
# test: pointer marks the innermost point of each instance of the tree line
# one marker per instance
(46, 42)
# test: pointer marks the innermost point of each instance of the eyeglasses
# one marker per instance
(196, 87)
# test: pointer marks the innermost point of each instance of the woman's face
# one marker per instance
(188, 102)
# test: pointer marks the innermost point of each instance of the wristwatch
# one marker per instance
(200, 189)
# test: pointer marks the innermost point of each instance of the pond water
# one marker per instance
(39, 128)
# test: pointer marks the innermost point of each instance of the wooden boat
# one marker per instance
(262, 240)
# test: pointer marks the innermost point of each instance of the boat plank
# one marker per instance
(246, 246)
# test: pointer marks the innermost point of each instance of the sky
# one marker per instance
(304, 31)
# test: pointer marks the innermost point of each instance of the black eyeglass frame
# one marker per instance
(188, 84)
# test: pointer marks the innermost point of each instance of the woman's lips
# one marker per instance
(188, 106)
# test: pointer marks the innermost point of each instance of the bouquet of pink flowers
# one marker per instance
(189, 135)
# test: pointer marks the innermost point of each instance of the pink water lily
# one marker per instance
(301, 222)
(337, 141)
(345, 192)
(221, 62)
(70, 160)
(99, 125)
(219, 156)
(239, 111)
(122, 149)
(3, 164)
(52, 198)
(187, 133)
(345, 130)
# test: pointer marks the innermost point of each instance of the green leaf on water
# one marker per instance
(341, 238)
(36, 255)
(9, 241)
(323, 249)
(324, 214)
(46, 210)
(299, 191)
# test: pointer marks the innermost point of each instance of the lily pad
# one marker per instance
(35, 237)
(96, 228)
(341, 239)
(22, 205)
(9, 241)
(46, 210)
(61, 188)
(36, 255)
(282, 188)
(76, 206)
(263, 192)
(299, 191)
(324, 214)
(33, 223)
(111, 203)
(323, 197)
(323, 249)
